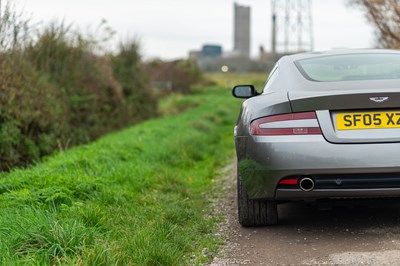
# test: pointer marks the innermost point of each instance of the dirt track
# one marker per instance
(356, 233)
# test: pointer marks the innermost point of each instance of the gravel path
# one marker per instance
(341, 233)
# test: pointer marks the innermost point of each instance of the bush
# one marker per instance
(176, 76)
(31, 114)
(57, 92)
(94, 99)
(129, 72)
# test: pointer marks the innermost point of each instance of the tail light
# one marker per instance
(291, 181)
(287, 124)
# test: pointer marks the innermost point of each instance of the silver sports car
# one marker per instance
(325, 126)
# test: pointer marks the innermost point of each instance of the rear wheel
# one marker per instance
(255, 212)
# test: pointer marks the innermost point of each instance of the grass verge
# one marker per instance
(136, 197)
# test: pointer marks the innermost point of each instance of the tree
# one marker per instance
(385, 15)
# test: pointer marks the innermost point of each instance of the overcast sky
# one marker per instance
(170, 28)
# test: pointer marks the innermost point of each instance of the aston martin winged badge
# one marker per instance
(379, 99)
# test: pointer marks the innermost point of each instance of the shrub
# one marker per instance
(57, 92)
(93, 97)
(176, 76)
(31, 114)
(129, 72)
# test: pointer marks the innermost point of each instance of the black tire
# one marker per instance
(255, 212)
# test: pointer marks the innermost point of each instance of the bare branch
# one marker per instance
(385, 15)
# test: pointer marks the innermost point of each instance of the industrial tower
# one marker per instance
(292, 26)
(242, 30)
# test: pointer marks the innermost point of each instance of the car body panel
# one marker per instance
(269, 159)
(262, 105)
(302, 101)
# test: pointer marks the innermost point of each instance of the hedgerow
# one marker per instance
(57, 90)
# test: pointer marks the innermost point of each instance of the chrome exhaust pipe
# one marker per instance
(306, 184)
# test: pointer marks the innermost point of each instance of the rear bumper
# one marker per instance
(297, 194)
(265, 160)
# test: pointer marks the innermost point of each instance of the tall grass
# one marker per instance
(136, 197)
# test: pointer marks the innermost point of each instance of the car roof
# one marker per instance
(296, 57)
(291, 78)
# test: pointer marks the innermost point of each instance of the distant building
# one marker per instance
(242, 30)
(194, 55)
(211, 51)
(211, 58)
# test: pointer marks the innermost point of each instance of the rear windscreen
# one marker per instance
(351, 67)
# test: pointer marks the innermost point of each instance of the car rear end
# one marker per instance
(308, 155)
(341, 138)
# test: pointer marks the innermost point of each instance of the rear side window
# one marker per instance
(350, 67)
(274, 74)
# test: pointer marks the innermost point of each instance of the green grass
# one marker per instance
(177, 103)
(135, 197)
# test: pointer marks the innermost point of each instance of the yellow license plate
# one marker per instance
(368, 120)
